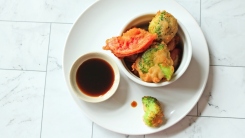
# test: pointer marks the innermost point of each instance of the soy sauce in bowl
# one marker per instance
(95, 77)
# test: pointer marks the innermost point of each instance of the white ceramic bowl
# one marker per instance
(79, 92)
(186, 55)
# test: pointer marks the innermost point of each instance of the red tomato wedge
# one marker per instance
(133, 41)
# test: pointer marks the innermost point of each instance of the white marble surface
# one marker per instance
(34, 102)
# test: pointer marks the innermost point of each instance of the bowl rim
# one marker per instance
(187, 56)
(85, 57)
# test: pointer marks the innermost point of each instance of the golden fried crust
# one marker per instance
(158, 120)
(155, 119)
(165, 25)
(154, 73)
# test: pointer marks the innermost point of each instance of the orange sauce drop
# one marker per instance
(134, 104)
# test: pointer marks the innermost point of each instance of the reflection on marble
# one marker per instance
(223, 25)
(25, 45)
(21, 102)
(62, 118)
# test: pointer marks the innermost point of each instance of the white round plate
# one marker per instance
(107, 18)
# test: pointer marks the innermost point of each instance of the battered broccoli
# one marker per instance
(155, 64)
(164, 25)
(153, 116)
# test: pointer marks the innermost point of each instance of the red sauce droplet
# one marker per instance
(134, 104)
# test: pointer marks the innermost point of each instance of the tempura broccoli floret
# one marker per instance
(165, 25)
(155, 64)
(153, 116)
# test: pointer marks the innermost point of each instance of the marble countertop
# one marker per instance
(32, 38)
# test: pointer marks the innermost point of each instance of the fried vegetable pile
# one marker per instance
(153, 116)
(150, 54)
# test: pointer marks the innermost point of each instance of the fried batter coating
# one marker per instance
(153, 116)
(133, 41)
(155, 64)
(165, 25)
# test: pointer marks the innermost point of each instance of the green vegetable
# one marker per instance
(167, 71)
(158, 30)
(153, 116)
(158, 55)
(147, 59)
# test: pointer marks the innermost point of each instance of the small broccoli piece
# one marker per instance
(165, 25)
(147, 59)
(153, 116)
(167, 71)
(155, 64)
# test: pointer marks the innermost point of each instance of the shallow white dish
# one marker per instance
(73, 72)
(107, 18)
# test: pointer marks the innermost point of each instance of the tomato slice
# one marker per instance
(135, 40)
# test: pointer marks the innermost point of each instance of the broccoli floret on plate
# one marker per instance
(153, 116)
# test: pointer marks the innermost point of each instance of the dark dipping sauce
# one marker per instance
(95, 77)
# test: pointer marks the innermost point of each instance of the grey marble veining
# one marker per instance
(21, 100)
(224, 98)
(24, 46)
(223, 24)
(62, 11)
(193, 127)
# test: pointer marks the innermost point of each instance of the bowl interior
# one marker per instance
(73, 82)
(185, 45)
